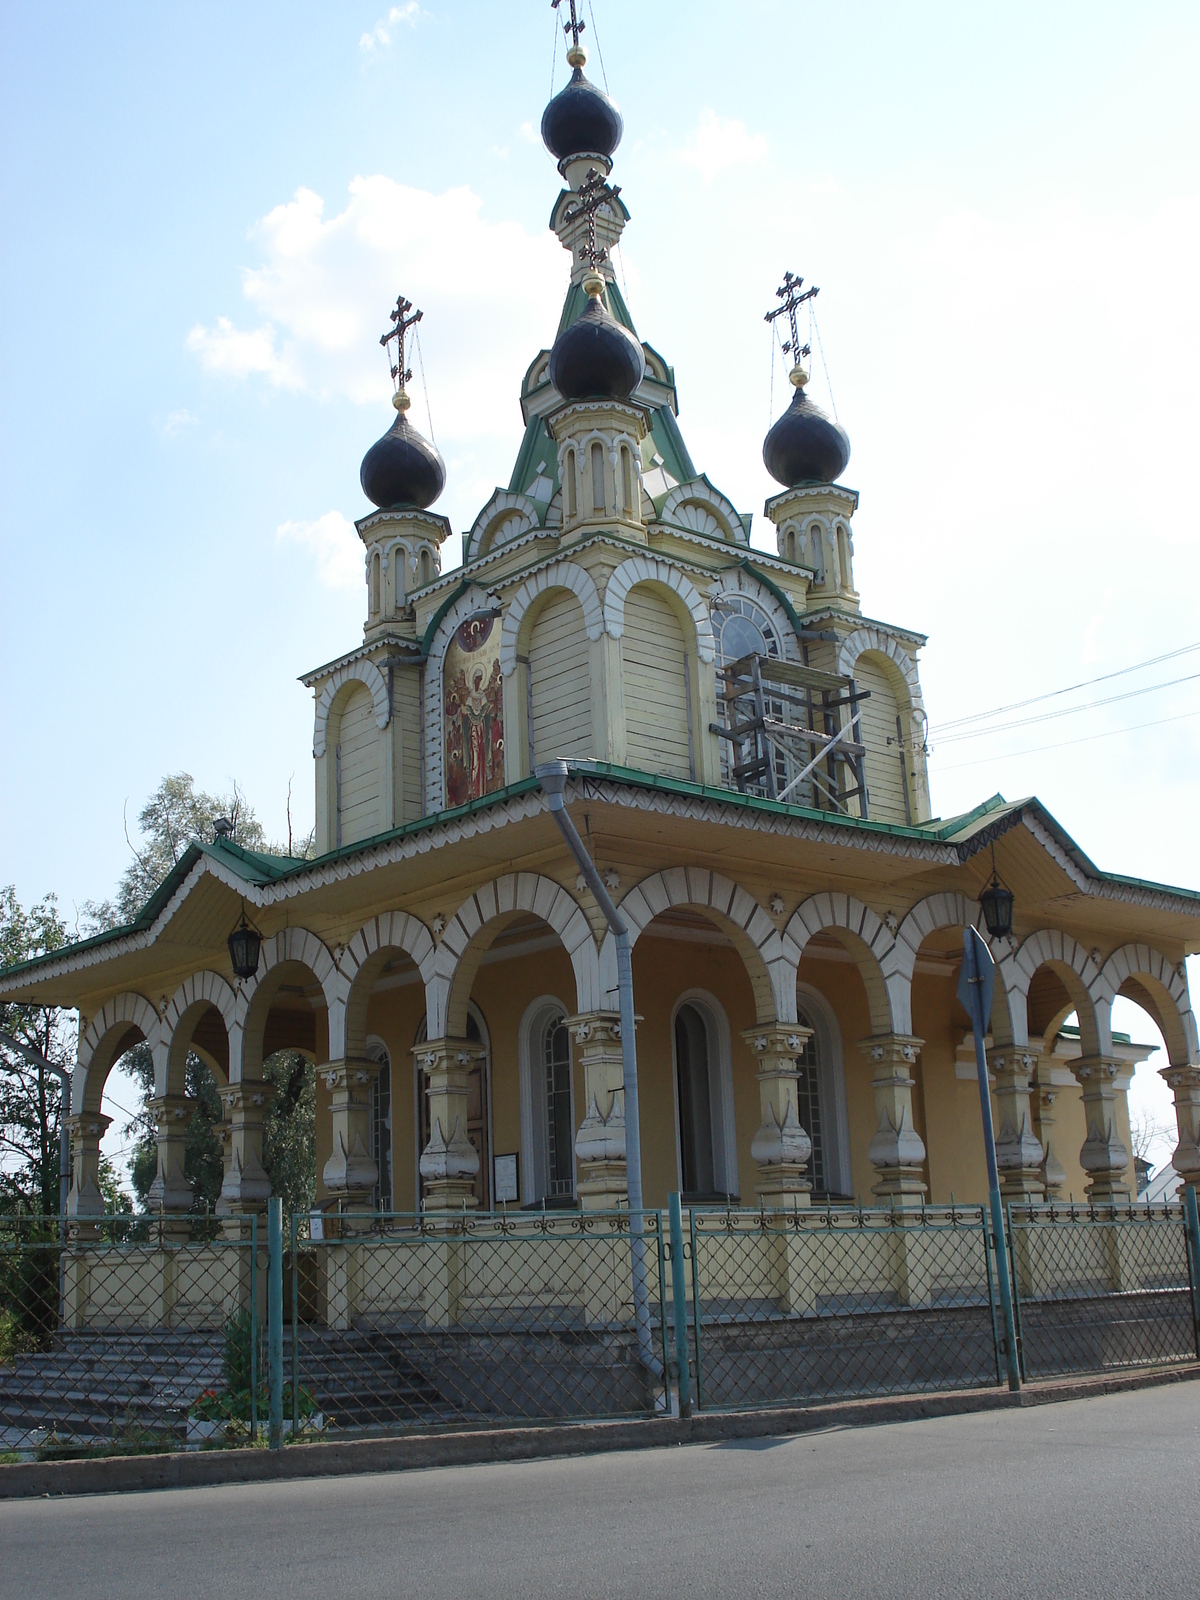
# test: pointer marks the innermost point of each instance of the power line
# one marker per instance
(1068, 711)
(1088, 738)
(1019, 705)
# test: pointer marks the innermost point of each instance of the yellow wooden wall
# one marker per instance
(560, 681)
(656, 710)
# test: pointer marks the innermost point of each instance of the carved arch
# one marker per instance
(862, 933)
(184, 1009)
(1081, 977)
(652, 569)
(881, 643)
(950, 910)
(513, 513)
(107, 1036)
(737, 581)
(700, 496)
(254, 1000)
(365, 672)
(365, 956)
(1164, 994)
(558, 575)
(458, 955)
(770, 958)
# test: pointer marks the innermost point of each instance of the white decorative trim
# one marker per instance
(864, 935)
(884, 644)
(697, 492)
(1178, 1023)
(769, 957)
(457, 956)
(305, 948)
(364, 672)
(948, 910)
(194, 994)
(558, 575)
(654, 569)
(477, 598)
(503, 504)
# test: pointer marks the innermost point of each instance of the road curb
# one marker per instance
(28, 1480)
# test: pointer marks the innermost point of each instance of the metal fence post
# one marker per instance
(679, 1295)
(1192, 1222)
(254, 1328)
(275, 1317)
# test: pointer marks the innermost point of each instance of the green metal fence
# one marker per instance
(425, 1321)
(137, 1335)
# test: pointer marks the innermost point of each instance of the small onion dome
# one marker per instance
(402, 468)
(804, 446)
(581, 120)
(596, 358)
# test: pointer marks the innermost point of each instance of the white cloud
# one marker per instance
(177, 421)
(334, 542)
(238, 352)
(720, 143)
(491, 293)
(380, 35)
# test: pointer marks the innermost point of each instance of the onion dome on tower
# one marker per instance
(402, 468)
(804, 446)
(595, 358)
(581, 120)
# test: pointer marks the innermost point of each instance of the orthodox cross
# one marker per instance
(575, 27)
(401, 323)
(792, 299)
(592, 194)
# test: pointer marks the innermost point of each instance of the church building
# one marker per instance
(744, 739)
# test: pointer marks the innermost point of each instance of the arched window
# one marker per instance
(400, 574)
(374, 599)
(627, 478)
(843, 546)
(559, 1120)
(426, 568)
(742, 628)
(808, 1106)
(789, 547)
(381, 1126)
(703, 1104)
(547, 1106)
(597, 478)
(572, 504)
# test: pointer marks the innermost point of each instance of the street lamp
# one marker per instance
(245, 943)
(997, 903)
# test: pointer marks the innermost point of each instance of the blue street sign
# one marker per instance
(977, 980)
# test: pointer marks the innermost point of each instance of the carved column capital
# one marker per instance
(896, 1151)
(782, 1147)
(1184, 1083)
(1104, 1157)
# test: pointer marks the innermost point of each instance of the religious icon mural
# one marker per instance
(474, 711)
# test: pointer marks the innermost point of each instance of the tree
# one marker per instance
(30, 1096)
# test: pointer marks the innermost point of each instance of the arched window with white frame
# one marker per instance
(547, 1106)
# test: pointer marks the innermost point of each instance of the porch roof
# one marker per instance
(221, 870)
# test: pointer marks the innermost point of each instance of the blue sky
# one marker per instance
(208, 209)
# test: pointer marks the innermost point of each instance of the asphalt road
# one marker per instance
(1093, 1498)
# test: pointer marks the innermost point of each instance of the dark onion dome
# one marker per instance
(596, 358)
(402, 468)
(804, 446)
(582, 120)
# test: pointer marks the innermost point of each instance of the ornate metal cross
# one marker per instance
(592, 194)
(575, 27)
(789, 293)
(401, 323)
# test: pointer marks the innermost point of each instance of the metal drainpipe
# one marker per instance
(552, 775)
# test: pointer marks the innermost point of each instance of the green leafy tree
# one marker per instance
(30, 1095)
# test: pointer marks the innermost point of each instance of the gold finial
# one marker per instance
(799, 377)
(401, 401)
(593, 284)
(577, 56)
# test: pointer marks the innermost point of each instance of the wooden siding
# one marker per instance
(656, 709)
(406, 709)
(560, 681)
(359, 749)
(878, 727)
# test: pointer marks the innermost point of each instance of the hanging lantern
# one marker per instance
(245, 943)
(997, 903)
